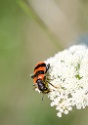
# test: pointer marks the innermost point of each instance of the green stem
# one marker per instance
(32, 14)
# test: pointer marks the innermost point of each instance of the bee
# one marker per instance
(40, 79)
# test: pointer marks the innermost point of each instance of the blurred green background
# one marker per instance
(31, 31)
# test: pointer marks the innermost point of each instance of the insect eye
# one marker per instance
(45, 88)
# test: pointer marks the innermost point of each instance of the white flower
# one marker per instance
(69, 73)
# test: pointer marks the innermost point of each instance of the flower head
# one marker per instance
(69, 72)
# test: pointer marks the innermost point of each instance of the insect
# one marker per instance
(40, 78)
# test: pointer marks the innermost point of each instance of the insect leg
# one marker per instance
(52, 84)
(47, 67)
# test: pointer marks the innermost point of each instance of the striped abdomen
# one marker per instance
(39, 71)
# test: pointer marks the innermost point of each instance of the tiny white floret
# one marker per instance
(69, 72)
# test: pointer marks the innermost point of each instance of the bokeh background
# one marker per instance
(31, 31)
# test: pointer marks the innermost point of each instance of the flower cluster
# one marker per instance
(69, 73)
